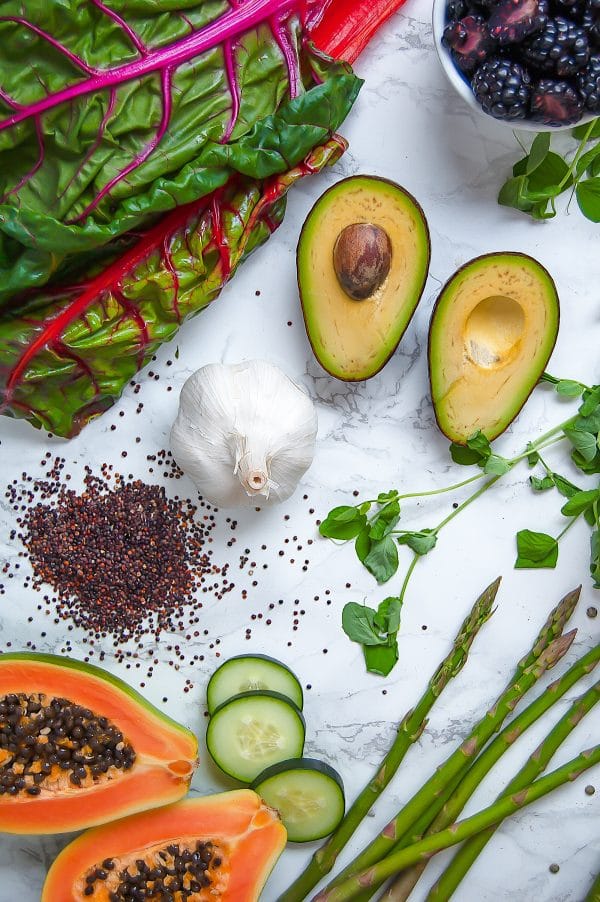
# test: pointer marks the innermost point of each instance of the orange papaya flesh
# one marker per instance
(79, 747)
(233, 833)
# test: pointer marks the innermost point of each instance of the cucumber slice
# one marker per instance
(246, 673)
(252, 731)
(308, 794)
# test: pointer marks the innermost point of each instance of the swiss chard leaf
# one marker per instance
(71, 356)
(111, 115)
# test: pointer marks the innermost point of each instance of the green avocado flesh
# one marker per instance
(354, 338)
(492, 331)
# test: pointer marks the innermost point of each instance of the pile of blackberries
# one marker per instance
(529, 59)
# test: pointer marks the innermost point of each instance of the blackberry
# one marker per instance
(590, 21)
(457, 9)
(503, 89)
(588, 83)
(513, 20)
(573, 9)
(469, 42)
(561, 48)
(555, 103)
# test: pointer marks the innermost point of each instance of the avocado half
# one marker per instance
(492, 331)
(362, 260)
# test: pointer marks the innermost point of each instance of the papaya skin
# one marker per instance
(250, 835)
(166, 752)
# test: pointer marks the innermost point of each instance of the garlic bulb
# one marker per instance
(245, 433)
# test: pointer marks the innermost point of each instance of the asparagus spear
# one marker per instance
(451, 808)
(460, 759)
(409, 730)
(594, 893)
(494, 814)
(536, 764)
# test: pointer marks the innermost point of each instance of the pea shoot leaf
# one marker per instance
(382, 559)
(343, 523)
(420, 542)
(588, 198)
(376, 631)
(536, 550)
(569, 388)
(541, 484)
(583, 442)
(580, 502)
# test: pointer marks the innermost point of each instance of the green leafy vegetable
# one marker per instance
(376, 631)
(377, 536)
(536, 549)
(541, 176)
(70, 357)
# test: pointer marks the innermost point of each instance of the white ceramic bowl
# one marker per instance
(462, 86)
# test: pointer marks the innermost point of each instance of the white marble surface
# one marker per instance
(409, 126)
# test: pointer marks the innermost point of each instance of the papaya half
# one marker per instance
(79, 747)
(222, 847)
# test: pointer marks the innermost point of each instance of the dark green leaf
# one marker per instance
(547, 177)
(569, 388)
(543, 484)
(587, 159)
(362, 546)
(589, 467)
(460, 454)
(387, 618)
(579, 502)
(342, 523)
(566, 488)
(513, 193)
(420, 542)
(385, 520)
(533, 457)
(536, 550)
(496, 465)
(588, 198)
(358, 622)
(381, 659)
(538, 151)
(583, 442)
(591, 400)
(382, 559)
(580, 131)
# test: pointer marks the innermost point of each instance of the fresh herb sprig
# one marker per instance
(373, 524)
(542, 175)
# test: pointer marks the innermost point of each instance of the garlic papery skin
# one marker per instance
(245, 433)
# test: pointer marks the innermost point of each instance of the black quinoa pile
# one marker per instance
(45, 738)
(123, 558)
(175, 874)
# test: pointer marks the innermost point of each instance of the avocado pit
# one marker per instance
(493, 331)
(362, 256)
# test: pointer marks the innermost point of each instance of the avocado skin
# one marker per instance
(348, 182)
(440, 299)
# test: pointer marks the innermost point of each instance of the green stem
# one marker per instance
(449, 811)
(444, 489)
(461, 758)
(445, 886)
(575, 160)
(567, 527)
(409, 730)
(461, 507)
(459, 832)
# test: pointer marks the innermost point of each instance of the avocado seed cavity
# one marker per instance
(493, 331)
(362, 257)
